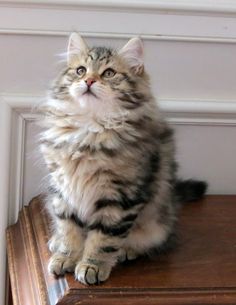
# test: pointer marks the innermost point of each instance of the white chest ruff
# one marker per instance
(77, 173)
(80, 185)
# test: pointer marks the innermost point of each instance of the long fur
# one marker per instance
(113, 189)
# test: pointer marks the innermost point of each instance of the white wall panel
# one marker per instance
(35, 171)
(208, 152)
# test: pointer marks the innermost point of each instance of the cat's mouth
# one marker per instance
(89, 93)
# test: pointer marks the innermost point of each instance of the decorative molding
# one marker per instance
(157, 37)
(199, 6)
(188, 19)
(5, 135)
(17, 166)
(15, 111)
(199, 112)
(21, 101)
(20, 108)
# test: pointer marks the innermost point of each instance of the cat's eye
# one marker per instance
(108, 73)
(81, 71)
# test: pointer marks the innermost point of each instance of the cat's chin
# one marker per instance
(88, 100)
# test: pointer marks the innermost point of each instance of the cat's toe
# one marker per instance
(127, 254)
(90, 274)
(87, 274)
(59, 264)
(122, 256)
(131, 254)
(53, 244)
(56, 245)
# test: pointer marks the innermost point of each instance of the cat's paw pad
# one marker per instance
(90, 274)
(127, 255)
(59, 264)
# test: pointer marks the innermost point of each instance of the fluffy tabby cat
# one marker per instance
(113, 191)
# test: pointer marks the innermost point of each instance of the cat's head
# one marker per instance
(100, 79)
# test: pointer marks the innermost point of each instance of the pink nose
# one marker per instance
(90, 81)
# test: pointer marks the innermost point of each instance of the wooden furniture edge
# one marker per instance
(94, 296)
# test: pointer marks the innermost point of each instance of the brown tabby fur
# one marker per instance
(111, 161)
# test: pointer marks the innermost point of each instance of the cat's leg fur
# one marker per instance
(149, 232)
(100, 255)
(67, 240)
(101, 249)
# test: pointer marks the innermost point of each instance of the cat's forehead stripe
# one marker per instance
(100, 53)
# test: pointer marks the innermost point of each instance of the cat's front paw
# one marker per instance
(59, 264)
(92, 273)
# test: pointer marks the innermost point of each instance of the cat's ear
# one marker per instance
(76, 46)
(133, 53)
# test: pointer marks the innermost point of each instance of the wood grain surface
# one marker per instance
(200, 270)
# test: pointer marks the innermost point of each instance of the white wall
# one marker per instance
(190, 54)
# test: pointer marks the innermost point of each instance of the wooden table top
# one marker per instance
(200, 270)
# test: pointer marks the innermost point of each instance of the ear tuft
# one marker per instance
(76, 46)
(133, 53)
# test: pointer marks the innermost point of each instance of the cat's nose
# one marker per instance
(90, 81)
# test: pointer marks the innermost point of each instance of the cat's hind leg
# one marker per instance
(150, 233)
